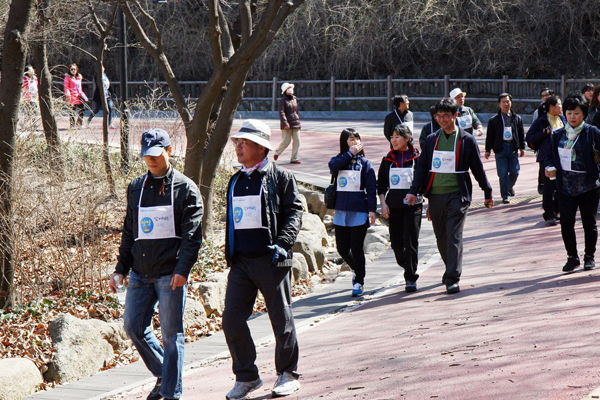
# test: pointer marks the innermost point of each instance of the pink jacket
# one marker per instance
(73, 91)
(30, 89)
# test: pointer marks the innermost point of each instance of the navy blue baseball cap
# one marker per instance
(154, 141)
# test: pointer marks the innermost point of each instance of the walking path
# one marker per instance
(519, 329)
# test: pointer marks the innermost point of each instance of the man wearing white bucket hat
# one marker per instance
(264, 216)
(289, 122)
(466, 116)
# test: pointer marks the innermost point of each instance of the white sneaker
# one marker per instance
(286, 384)
(241, 389)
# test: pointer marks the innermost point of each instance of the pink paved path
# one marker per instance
(519, 329)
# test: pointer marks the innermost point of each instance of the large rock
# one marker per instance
(375, 249)
(194, 314)
(307, 243)
(80, 350)
(19, 377)
(304, 203)
(374, 238)
(312, 223)
(213, 293)
(300, 270)
(380, 230)
(113, 333)
(315, 201)
(328, 221)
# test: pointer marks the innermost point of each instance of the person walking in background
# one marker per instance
(429, 128)
(162, 235)
(466, 119)
(538, 137)
(505, 135)
(30, 88)
(588, 92)
(289, 122)
(395, 176)
(400, 115)
(572, 161)
(264, 217)
(442, 174)
(96, 102)
(544, 94)
(594, 105)
(75, 95)
(355, 204)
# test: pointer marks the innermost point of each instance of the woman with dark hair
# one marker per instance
(538, 138)
(75, 95)
(355, 204)
(587, 91)
(393, 183)
(594, 105)
(571, 161)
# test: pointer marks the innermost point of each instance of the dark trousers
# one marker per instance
(246, 278)
(97, 106)
(549, 199)
(588, 206)
(350, 241)
(541, 175)
(76, 117)
(507, 168)
(448, 213)
(405, 225)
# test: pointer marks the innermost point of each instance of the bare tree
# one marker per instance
(13, 63)
(236, 43)
(103, 32)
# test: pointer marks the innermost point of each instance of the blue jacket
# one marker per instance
(364, 201)
(538, 139)
(589, 139)
(467, 158)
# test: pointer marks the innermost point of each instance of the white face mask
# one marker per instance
(290, 91)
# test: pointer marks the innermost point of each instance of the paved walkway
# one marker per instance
(519, 329)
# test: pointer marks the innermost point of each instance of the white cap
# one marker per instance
(286, 86)
(256, 131)
(456, 91)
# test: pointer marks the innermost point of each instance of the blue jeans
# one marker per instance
(143, 294)
(507, 166)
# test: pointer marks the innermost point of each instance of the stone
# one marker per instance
(328, 221)
(375, 249)
(213, 293)
(194, 314)
(304, 203)
(19, 377)
(374, 238)
(300, 270)
(81, 351)
(315, 201)
(114, 333)
(306, 243)
(380, 230)
(312, 223)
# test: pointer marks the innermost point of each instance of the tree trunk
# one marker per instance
(45, 99)
(13, 64)
(105, 139)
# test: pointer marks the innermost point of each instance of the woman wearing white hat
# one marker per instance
(466, 116)
(289, 123)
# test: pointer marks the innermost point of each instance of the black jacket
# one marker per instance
(159, 257)
(495, 131)
(468, 158)
(589, 139)
(538, 138)
(427, 130)
(284, 209)
(391, 120)
(394, 198)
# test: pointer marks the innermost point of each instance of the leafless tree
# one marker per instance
(13, 64)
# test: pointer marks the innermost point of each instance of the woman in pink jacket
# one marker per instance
(76, 98)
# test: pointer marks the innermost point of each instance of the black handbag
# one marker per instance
(330, 194)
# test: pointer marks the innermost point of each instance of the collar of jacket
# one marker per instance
(168, 177)
(414, 153)
(511, 114)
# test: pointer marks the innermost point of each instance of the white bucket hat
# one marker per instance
(456, 91)
(286, 86)
(256, 131)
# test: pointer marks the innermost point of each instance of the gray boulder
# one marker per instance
(213, 293)
(380, 230)
(374, 238)
(328, 221)
(19, 377)
(375, 249)
(304, 203)
(312, 223)
(80, 350)
(306, 244)
(300, 270)
(113, 333)
(315, 201)
(194, 314)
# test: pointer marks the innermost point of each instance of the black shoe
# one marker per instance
(452, 289)
(572, 263)
(410, 286)
(505, 201)
(588, 263)
(155, 393)
(511, 192)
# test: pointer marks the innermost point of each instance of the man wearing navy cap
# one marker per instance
(264, 216)
(162, 234)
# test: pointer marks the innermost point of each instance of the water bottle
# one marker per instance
(121, 290)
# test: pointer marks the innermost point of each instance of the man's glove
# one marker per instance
(279, 254)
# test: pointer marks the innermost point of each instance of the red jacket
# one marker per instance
(30, 89)
(73, 91)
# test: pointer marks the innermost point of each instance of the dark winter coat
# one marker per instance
(366, 199)
(495, 132)
(538, 139)
(288, 112)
